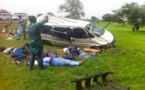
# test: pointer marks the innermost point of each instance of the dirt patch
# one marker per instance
(3, 23)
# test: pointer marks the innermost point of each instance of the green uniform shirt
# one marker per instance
(35, 37)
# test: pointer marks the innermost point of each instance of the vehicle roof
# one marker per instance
(60, 21)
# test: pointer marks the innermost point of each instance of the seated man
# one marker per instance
(7, 33)
(48, 61)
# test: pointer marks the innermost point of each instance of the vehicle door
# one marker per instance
(79, 37)
(60, 36)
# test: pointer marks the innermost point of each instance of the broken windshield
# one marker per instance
(96, 29)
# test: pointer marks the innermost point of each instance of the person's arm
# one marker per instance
(39, 24)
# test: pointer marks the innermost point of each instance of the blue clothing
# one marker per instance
(18, 54)
(59, 62)
(62, 61)
(19, 50)
(49, 53)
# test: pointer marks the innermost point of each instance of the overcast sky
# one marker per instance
(91, 7)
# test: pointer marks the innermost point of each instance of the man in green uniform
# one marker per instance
(35, 42)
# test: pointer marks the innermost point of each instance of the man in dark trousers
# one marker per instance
(35, 42)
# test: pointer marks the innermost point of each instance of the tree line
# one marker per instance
(130, 12)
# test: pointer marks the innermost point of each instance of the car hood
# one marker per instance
(108, 36)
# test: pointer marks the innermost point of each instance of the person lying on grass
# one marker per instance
(17, 54)
(20, 54)
(56, 61)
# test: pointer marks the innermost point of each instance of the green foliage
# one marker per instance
(108, 17)
(129, 12)
(73, 9)
(126, 60)
(94, 19)
(132, 12)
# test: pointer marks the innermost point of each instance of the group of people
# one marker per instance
(15, 34)
(34, 49)
(49, 58)
(135, 26)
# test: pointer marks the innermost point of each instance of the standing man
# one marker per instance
(21, 29)
(137, 26)
(35, 42)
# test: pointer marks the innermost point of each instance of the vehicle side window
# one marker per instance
(79, 33)
(46, 29)
(61, 32)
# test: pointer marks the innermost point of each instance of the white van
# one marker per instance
(5, 16)
(65, 32)
(15, 16)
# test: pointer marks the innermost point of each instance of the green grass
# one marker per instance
(126, 60)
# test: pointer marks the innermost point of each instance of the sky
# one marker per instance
(91, 7)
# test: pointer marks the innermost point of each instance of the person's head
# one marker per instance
(32, 19)
(26, 48)
(2, 49)
(20, 16)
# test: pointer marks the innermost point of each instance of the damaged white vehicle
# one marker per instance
(64, 32)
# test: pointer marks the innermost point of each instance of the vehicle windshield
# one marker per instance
(96, 29)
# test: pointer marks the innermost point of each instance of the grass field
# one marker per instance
(126, 60)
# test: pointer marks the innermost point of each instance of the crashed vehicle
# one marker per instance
(64, 32)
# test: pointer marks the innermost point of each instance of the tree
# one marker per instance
(94, 19)
(108, 17)
(119, 16)
(131, 12)
(50, 13)
(3, 11)
(142, 16)
(73, 9)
